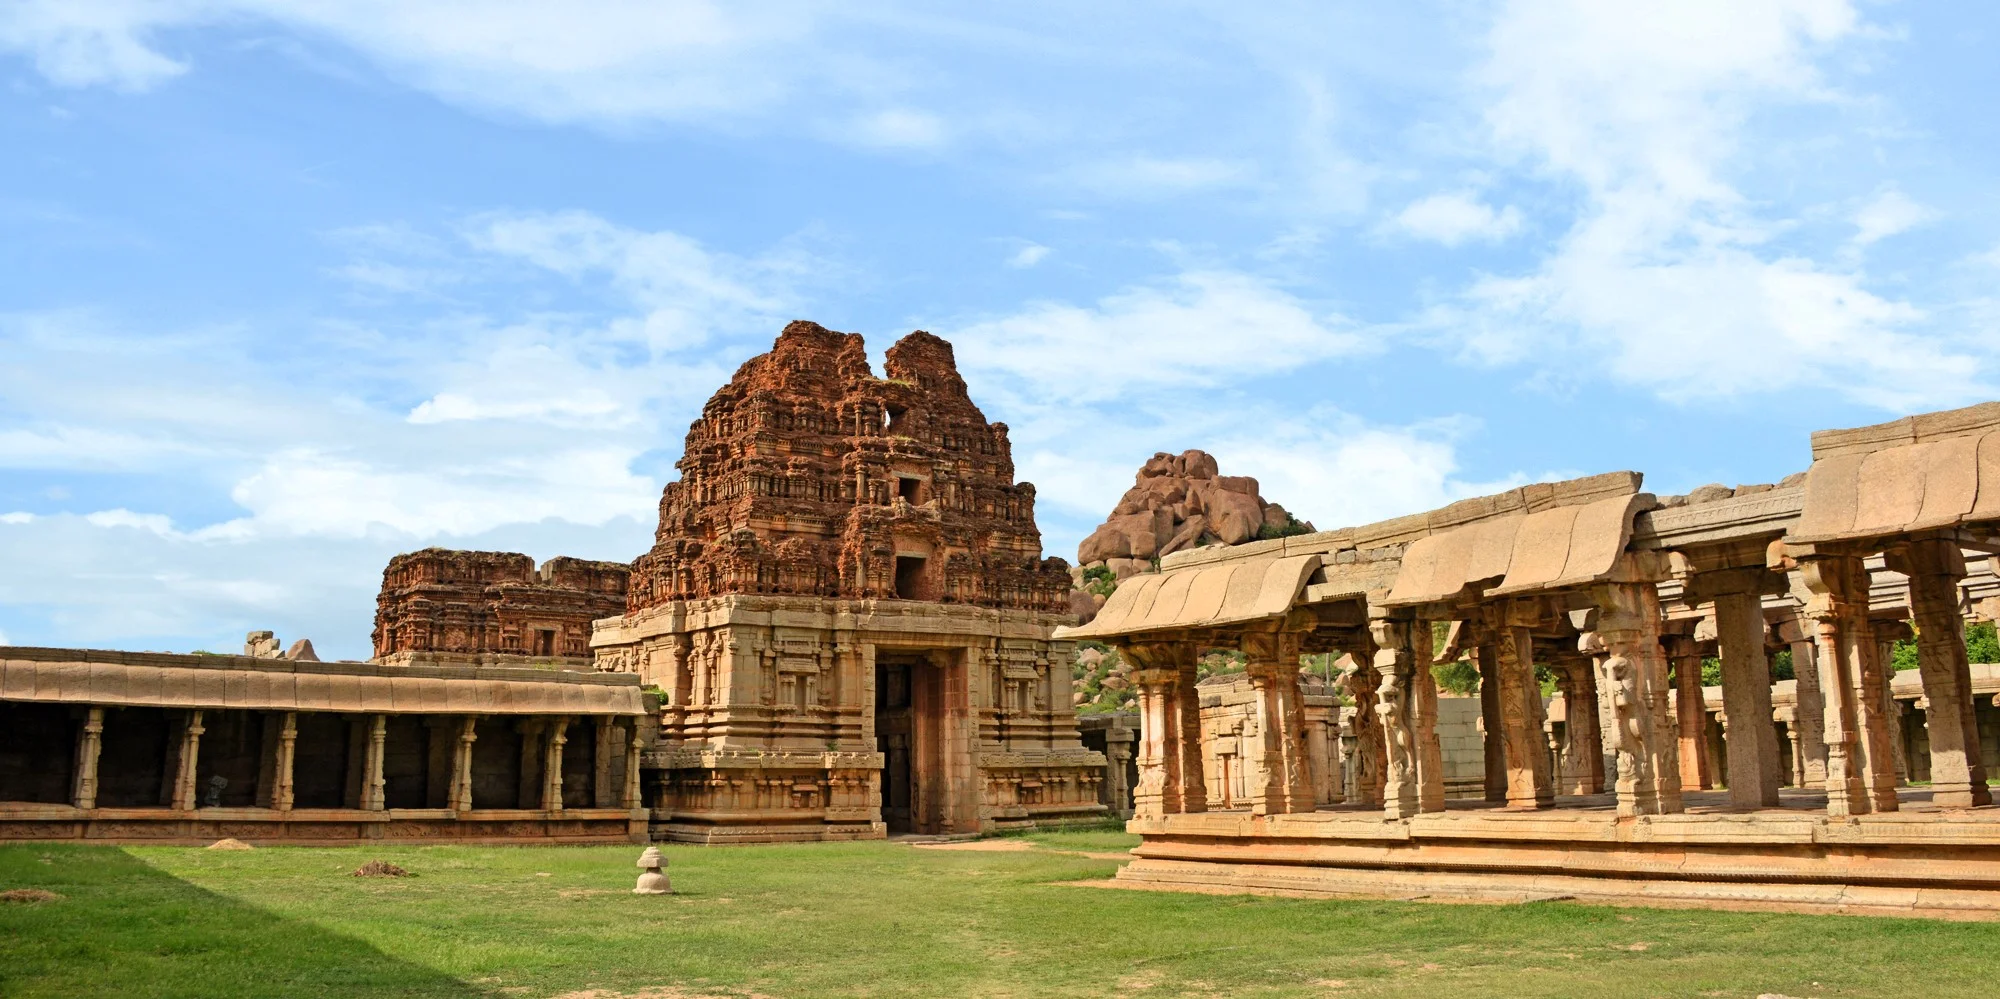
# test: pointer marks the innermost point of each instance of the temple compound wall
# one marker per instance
(154, 747)
(1620, 596)
(467, 608)
(848, 612)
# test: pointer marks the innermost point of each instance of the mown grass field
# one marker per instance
(876, 919)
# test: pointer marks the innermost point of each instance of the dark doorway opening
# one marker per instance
(545, 642)
(133, 758)
(406, 763)
(320, 760)
(230, 760)
(909, 489)
(496, 764)
(909, 703)
(892, 740)
(910, 577)
(37, 752)
(579, 764)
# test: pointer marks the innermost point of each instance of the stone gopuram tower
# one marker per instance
(848, 611)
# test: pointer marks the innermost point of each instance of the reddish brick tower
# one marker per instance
(808, 475)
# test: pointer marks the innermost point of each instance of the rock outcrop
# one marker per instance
(1182, 501)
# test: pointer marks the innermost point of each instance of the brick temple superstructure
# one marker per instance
(848, 611)
(493, 609)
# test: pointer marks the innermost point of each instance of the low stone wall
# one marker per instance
(1913, 862)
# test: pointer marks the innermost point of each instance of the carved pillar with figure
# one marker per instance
(1170, 768)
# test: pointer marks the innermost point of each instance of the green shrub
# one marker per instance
(1982, 643)
(1292, 526)
(1216, 662)
(1458, 677)
(1781, 666)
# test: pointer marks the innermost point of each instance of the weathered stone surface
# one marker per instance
(845, 571)
(808, 475)
(1180, 502)
(261, 644)
(464, 603)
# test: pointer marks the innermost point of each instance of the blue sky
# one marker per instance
(287, 286)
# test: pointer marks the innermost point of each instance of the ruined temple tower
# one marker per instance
(848, 612)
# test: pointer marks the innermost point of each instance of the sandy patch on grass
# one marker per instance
(230, 844)
(28, 896)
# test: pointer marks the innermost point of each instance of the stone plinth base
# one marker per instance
(1919, 861)
(319, 826)
(706, 833)
(1869, 900)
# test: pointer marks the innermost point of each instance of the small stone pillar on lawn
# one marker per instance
(653, 881)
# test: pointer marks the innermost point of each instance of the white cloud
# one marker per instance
(688, 290)
(1647, 96)
(158, 524)
(1154, 176)
(897, 128)
(1455, 218)
(1338, 470)
(81, 44)
(1089, 392)
(1323, 464)
(4, 640)
(74, 583)
(1198, 328)
(1028, 256)
(1664, 278)
(306, 491)
(595, 60)
(472, 431)
(1887, 214)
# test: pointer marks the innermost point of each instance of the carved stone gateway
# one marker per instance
(848, 613)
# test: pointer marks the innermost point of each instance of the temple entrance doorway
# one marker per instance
(912, 729)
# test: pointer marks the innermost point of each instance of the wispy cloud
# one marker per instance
(1455, 218)
(1196, 328)
(1664, 278)
(1028, 256)
(1889, 213)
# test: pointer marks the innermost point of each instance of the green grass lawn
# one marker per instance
(876, 919)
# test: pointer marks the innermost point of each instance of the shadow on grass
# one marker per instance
(124, 928)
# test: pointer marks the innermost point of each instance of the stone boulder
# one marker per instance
(1179, 502)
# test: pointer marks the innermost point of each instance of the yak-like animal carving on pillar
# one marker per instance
(1629, 721)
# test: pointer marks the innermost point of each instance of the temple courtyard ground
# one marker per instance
(993, 918)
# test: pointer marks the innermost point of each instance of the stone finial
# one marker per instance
(653, 881)
(262, 644)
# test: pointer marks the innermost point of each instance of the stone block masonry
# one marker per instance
(847, 609)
